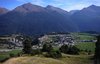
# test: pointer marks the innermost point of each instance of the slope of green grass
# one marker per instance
(86, 46)
(77, 59)
(84, 36)
(5, 55)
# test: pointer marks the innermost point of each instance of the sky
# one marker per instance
(63, 4)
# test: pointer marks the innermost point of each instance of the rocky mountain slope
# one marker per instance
(33, 19)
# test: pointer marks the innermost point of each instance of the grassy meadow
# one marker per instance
(6, 55)
(66, 59)
(86, 46)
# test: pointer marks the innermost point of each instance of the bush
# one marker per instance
(37, 51)
(86, 50)
(54, 54)
(73, 50)
(64, 49)
(12, 55)
(47, 47)
(69, 49)
(15, 54)
(89, 52)
(50, 51)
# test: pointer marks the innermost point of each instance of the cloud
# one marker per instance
(76, 4)
(38, 2)
(75, 7)
(64, 4)
(21, 1)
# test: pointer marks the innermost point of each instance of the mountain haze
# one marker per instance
(88, 19)
(32, 19)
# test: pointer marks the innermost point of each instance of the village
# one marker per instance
(15, 41)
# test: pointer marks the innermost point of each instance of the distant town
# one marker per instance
(14, 41)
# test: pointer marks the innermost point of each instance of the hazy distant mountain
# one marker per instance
(32, 19)
(88, 19)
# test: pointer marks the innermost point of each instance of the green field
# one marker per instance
(5, 55)
(84, 41)
(77, 59)
(84, 36)
(86, 46)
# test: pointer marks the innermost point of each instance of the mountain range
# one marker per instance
(33, 19)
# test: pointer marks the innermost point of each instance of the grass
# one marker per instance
(14, 52)
(84, 36)
(66, 59)
(86, 46)
(77, 59)
(5, 55)
(33, 60)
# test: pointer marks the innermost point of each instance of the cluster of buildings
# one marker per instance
(11, 40)
(58, 39)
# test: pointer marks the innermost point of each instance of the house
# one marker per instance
(14, 39)
(58, 39)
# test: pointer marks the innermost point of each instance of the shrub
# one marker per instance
(86, 50)
(73, 50)
(47, 47)
(50, 51)
(12, 55)
(64, 49)
(69, 49)
(54, 54)
(89, 52)
(37, 51)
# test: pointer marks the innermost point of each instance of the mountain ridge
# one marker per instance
(28, 7)
(33, 19)
(88, 18)
(3, 10)
(35, 22)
